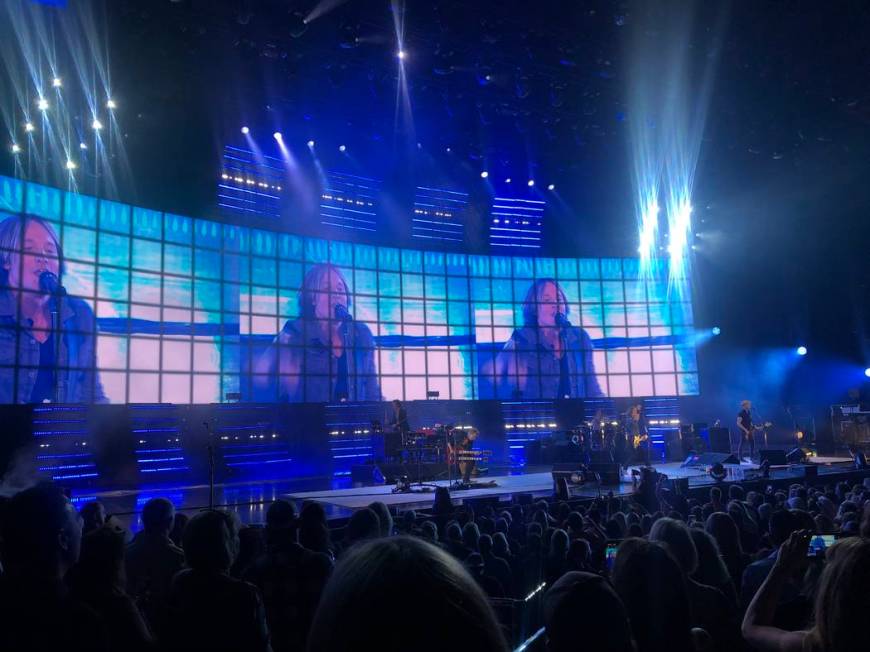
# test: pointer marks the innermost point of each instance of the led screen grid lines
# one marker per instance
(186, 308)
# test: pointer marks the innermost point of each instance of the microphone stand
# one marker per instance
(211, 464)
(54, 309)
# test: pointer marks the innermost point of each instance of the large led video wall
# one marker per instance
(167, 308)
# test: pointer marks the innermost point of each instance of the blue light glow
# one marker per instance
(717, 330)
(802, 350)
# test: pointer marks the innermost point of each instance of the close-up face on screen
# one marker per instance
(166, 308)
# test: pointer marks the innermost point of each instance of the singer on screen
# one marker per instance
(324, 355)
(54, 358)
(548, 357)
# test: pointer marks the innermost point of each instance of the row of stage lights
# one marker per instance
(279, 137)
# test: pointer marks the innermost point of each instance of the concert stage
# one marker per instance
(540, 484)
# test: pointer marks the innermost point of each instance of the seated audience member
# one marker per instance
(361, 526)
(495, 566)
(721, 526)
(653, 589)
(841, 605)
(151, 561)
(780, 526)
(476, 567)
(209, 610)
(176, 534)
(711, 610)
(384, 517)
(582, 611)
(711, 569)
(290, 579)
(398, 579)
(313, 530)
(93, 515)
(41, 539)
(471, 536)
(97, 580)
(252, 544)
(556, 563)
(443, 505)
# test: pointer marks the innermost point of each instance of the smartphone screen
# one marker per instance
(610, 553)
(819, 543)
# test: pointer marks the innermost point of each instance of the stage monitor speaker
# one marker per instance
(720, 440)
(607, 471)
(795, 456)
(775, 456)
(709, 459)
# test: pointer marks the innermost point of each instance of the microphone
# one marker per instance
(562, 320)
(50, 284)
(341, 313)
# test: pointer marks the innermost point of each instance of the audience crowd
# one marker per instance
(657, 571)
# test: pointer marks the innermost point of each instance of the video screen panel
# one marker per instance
(168, 308)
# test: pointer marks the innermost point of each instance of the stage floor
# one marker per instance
(250, 499)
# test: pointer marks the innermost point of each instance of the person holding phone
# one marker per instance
(842, 600)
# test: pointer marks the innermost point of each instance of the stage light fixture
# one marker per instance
(42, 104)
(16, 148)
(70, 164)
(551, 187)
(531, 183)
(96, 125)
(29, 127)
(802, 350)
(111, 104)
(717, 330)
(484, 174)
(508, 180)
(246, 130)
(83, 145)
(401, 54)
(342, 148)
(867, 372)
(57, 82)
(278, 136)
(311, 144)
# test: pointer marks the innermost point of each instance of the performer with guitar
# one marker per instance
(747, 430)
(464, 445)
(638, 432)
(394, 438)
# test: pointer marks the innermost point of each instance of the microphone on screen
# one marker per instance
(562, 321)
(341, 313)
(50, 284)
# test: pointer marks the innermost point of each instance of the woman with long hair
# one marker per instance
(724, 530)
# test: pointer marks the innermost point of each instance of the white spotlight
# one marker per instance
(83, 145)
(508, 180)
(42, 104)
(311, 144)
(278, 136)
(28, 127)
(57, 82)
(484, 174)
(342, 148)
(16, 148)
(70, 164)
(111, 104)
(531, 183)
(401, 54)
(96, 125)
(246, 131)
(551, 187)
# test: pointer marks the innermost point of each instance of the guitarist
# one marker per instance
(747, 430)
(637, 430)
(464, 445)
